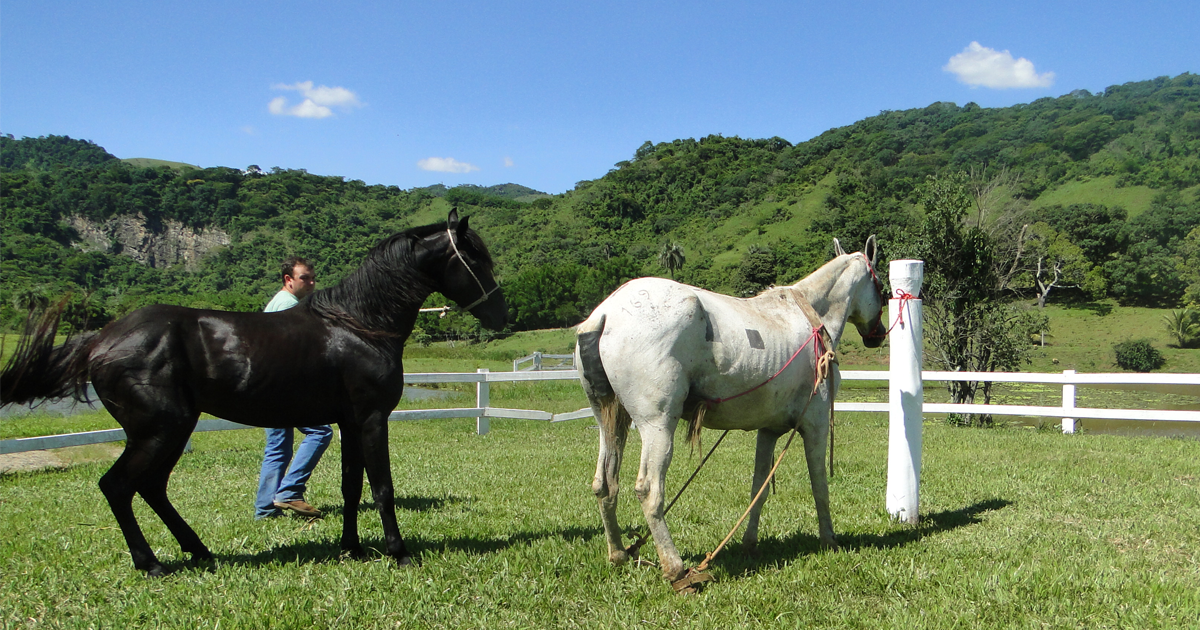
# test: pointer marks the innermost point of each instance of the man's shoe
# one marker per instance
(300, 507)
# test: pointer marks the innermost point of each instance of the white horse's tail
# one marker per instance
(614, 419)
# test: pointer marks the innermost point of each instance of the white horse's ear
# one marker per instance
(871, 249)
(837, 248)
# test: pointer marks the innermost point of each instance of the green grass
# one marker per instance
(1019, 529)
(153, 163)
(1082, 337)
(1101, 190)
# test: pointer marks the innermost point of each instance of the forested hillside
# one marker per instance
(1100, 189)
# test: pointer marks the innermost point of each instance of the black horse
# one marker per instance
(335, 357)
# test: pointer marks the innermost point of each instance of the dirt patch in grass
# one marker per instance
(30, 461)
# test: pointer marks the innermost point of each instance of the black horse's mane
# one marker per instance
(386, 289)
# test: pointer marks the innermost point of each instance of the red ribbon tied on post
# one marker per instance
(903, 296)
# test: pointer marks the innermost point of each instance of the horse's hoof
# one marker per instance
(618, 558)
(356, 552)
(203, 555)
(157, 570)
(829, 545)
(692, 582)
(405, 561)
(751, 550)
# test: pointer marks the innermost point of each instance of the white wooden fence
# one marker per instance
(1186, 384)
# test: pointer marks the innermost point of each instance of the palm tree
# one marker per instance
(671, 257)
(1184, 326)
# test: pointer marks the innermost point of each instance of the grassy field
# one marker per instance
(1019, 529)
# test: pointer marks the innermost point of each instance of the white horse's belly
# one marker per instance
(664, 342)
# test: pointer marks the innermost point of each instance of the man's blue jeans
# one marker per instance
(273, 484)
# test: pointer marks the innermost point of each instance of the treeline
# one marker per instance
(559, 255)
(706, 193)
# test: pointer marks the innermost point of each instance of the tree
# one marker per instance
(757, 271)
(671, 257)
(1184, 327)
(969, 328)
(1046, 259)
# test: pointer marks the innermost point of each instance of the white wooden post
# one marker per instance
(1068, 402)
(483, 398)
(906, 392)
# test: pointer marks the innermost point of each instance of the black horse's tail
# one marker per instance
(38, 369)
(614, 419)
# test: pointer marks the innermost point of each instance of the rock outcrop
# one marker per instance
(158, 244)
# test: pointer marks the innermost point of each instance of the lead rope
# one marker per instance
(698, 575)
(633, 548)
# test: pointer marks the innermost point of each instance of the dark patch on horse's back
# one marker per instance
(755, 339)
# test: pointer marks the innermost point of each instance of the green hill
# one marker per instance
(1116, 172)
(152, 163)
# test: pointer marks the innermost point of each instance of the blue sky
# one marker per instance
(538, 93)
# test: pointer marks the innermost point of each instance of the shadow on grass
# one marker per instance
(1097, 308)
(407, 503)
(329, 550)
(778, 551)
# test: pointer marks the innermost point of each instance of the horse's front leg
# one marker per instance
(764, 457)
(815, 430)
(657, 445)
(379, 472)
(352, 480)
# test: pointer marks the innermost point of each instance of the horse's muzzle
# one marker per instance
(874, 337)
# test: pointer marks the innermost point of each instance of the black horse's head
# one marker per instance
(466, 274)
(866, 304)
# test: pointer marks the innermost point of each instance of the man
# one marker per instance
(277, 491)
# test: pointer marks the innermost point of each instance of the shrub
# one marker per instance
(1138, 355)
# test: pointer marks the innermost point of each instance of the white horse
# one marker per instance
(656, 351)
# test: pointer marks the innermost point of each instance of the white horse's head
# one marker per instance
(866, 297)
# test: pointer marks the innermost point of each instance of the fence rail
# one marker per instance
(1186, 384)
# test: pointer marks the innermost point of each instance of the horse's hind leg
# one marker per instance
(657, 445)
(764, 458)
(606, 483)
(118, 487)
(144, 468)
(154, 491)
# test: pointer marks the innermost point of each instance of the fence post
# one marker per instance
(1068, 402)
(906, 392)
(483, 398)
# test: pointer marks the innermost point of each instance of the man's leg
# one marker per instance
(276, 456)
(291, 489)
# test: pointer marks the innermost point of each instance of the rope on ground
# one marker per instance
(698, 574)
(633, 548)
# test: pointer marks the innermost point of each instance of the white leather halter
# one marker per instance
(486, 293)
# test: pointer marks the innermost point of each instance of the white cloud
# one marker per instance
(318, 101)
(977, 65)
(446, 165)
(508, 162)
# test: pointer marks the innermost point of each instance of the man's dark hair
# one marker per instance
(289, 266)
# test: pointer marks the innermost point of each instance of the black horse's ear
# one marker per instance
(452, 220)
(462, 227)
(837, 248)
(871, 249)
